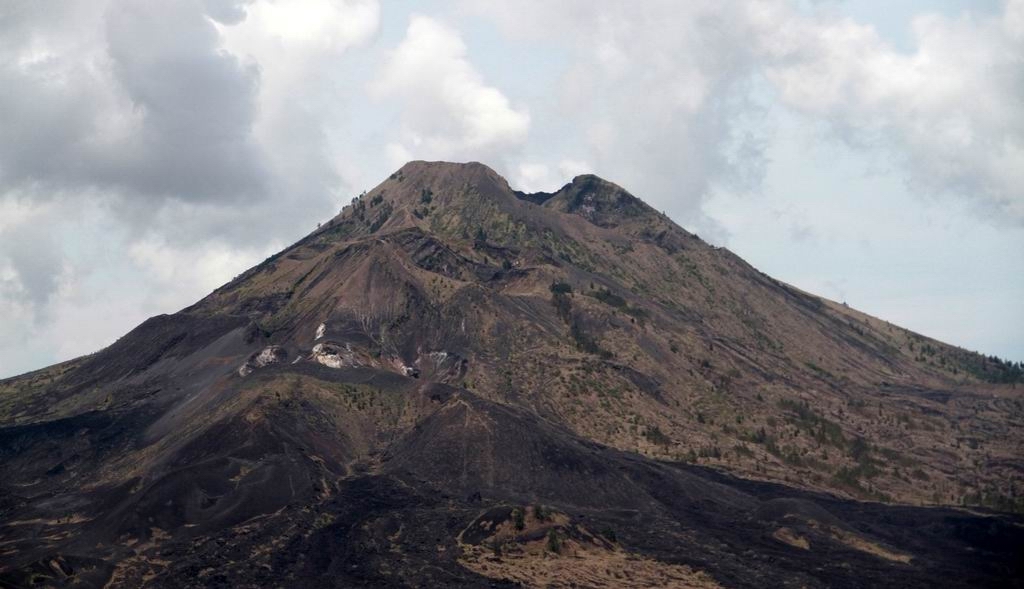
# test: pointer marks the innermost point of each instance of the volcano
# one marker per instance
(454, 383)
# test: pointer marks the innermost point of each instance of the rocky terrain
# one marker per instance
(453, 383)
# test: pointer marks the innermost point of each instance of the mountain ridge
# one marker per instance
(447, 336)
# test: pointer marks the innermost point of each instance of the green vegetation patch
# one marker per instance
(613, 300)
(821, 429)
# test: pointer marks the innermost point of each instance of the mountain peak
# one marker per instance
(601, 202)
(442, 172)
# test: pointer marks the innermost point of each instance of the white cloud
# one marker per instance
(447, 110)
(288, 39)
(540, 177)
(73, 278)
(669, 97)
(161, 145)
(534, 177)
(301, 49)
(124, 96)
(950, 112)
(654, 92)
(178, 273)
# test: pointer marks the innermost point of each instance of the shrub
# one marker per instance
(382, 218)
(563, 306)
(636, 312)
(586, 343)
(609, 298)
(518, 521)
(539, 513)
(561, 288)
(656, 436)
(554, 544)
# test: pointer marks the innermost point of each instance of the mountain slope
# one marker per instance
(373, 404)
(686, 343)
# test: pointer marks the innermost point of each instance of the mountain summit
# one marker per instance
(456, 383)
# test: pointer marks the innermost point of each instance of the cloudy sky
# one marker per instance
(867, 150)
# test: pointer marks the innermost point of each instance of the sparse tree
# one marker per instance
(539, 513)
(554, 543)
(518, 520)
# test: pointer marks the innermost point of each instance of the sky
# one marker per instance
(870, 152)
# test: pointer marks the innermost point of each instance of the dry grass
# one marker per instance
(581, 566)
(582, 560)
(788, 536)
(857, 543)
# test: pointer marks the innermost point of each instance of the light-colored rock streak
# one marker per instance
(265, 357)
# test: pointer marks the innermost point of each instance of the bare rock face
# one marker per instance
(334, 355)
(441, 366)
(265, 357)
